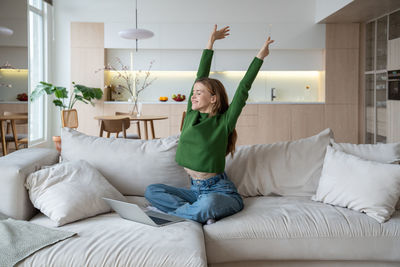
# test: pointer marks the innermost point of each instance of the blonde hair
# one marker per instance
(221, 105)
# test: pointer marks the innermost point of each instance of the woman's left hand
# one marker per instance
(217, 35)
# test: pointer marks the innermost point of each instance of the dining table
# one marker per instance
(12, 119)
(146, 119)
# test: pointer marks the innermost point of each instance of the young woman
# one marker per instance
(208, 135)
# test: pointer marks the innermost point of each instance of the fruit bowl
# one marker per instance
(163, 98)
(22, 97)
(178, 97)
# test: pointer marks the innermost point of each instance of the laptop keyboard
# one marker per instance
(159, 221)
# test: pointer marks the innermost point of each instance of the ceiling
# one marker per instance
(362, 11)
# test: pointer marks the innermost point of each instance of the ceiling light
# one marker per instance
(136, 34)
(6, 31)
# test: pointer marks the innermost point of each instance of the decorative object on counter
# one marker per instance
(131, 83)
(80, 93)
(178, 97)
(5, 84)
(22, 97)
(6, 31)
(7, 66)
(136, 33)
(163, 98)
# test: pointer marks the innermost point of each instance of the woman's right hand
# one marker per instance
(264, 51)
(217, 35)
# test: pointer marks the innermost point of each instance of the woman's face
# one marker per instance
(202, 99)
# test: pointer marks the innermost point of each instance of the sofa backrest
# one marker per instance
(129, 165)
(286, 168)
(14, 168)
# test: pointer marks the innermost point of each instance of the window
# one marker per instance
(37, 43)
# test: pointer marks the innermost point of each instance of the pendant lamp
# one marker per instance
(6, 31)
(136, 34)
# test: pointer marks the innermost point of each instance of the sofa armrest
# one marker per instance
(14, 168)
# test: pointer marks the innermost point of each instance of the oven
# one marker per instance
(394, 85)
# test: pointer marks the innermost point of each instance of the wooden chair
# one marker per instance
(69, 118)
(183, 120)
(139, 136)
(116, 126)
(21, 138)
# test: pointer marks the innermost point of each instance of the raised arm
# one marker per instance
(205, 62)
(242, 92)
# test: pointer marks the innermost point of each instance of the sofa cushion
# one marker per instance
(108, 240)
(297, 228)
(14, 168)
(384, 153)
(70, 191)
(129, 165)
(351, 182)
(286, 168)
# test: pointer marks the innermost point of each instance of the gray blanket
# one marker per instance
(19, 239)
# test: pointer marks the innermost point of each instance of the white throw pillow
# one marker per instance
(286, 168)
(384, 153)
(129, 165)
(366, 186)
(70, 191)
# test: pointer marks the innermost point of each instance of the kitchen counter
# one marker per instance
(13, 102)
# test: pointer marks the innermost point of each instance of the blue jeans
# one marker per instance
(213, 198)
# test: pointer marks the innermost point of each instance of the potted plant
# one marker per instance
(80, 93)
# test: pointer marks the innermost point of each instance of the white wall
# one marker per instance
(325, 8)
(13, 14)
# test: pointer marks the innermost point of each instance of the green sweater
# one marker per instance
(203, 141)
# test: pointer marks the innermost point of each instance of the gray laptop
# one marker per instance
(134, 213)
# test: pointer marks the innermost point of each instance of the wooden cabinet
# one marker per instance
(87, 56)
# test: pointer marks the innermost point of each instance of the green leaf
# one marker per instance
(41, 89)
(89, 93)
(61, 92)
(59, 103)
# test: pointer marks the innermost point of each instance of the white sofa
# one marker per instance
(279, 226)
